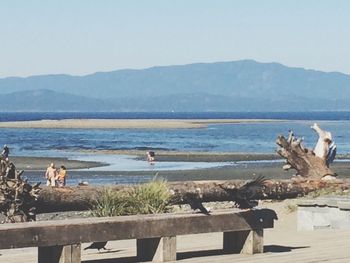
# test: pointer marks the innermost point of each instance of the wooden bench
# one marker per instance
(59, 241)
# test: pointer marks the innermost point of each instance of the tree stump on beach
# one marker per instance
(311, 164)
(17, 197)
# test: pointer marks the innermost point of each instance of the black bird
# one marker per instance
(97, 245)
(244, 195)
(196, 204)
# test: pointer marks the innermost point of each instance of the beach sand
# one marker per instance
(125, 123)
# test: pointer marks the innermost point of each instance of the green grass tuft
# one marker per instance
(148, 198)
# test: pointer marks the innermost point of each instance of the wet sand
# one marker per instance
(271, 171)
(177, 156)
(41, 163)
(125, 123)
(227, 172)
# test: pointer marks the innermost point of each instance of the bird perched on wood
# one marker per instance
(244, 195)
(332, 151)
(196, 204)
(97, 245)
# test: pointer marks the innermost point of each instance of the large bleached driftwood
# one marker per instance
(83, 198)
(308, 163)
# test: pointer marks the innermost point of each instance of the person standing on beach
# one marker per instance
(62, 175)
(150, 157)
(51, 175)
(5, 152)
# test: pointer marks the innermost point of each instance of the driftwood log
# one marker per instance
(17, 197)
(83, 197)
(312, 164)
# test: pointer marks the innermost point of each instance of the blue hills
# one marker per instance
(244, 85)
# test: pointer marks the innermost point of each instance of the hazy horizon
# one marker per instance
(173, 65)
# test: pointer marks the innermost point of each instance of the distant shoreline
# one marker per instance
(127, 123)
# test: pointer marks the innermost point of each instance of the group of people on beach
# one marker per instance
(56, 177)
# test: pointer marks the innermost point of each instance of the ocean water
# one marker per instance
(243, 137)
(321, 115)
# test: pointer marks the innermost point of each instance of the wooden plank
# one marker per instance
(71, 254)
(254, 242)
(74, 231)
(156, 249)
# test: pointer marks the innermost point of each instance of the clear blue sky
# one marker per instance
(80, 36)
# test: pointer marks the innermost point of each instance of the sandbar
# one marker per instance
(126, 123)
(41, 163)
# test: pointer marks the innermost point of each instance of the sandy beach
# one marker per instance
(126, 123)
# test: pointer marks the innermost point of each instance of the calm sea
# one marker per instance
(252, 137)
(258, 137)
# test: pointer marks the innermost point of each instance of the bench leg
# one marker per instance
(156, 249)
(245, 242)
(60, 254)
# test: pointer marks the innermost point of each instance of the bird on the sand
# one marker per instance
(97, 245)
(244, 196)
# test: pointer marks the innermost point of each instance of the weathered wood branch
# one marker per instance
(17, 196)
(312, 164)
(83, 198)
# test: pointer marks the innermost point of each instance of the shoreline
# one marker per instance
(41, 163)
(249, 170)
(127, 123)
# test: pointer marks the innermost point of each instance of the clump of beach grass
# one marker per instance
(110, 203)
(149, 198)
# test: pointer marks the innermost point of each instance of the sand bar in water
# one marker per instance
(125, 123)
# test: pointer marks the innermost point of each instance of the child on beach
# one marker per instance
(51, 175)
(62, 175)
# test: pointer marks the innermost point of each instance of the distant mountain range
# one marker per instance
(244, 85)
